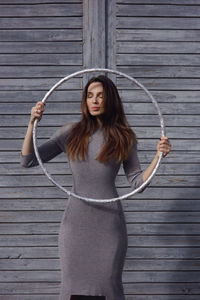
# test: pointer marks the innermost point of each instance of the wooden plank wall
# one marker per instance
(40, 42)
(158, 43)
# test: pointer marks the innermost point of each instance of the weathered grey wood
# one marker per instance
(161, 96)
(164, 297)
(39, 84)
(166, 2)
(45, 10)
(38, 71)
(111, 49)
(158, 59)
(157, 297)
(29, 252)
(31, 275)
(94, 36)
(162, 84)
(41, 59)
(39, 47)
(158, 47)
(36, 35)
(31, 2)
(29, 297)
(161, 71)
(164, 241)
(41, 22)
(158, 22)
(176, 276)
(157, 10)
(31, 96)
(160, 35)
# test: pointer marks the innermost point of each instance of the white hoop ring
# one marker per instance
(161, 125)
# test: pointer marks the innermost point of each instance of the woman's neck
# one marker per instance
(100, 125)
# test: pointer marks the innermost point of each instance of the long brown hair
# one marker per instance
(118, 135)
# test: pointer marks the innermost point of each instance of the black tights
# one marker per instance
(82, 297)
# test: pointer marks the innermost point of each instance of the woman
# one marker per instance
(93, 236)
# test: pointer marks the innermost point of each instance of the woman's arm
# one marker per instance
(164, 146)
(132, 167)
(27, 146)
(150, 168)
(36, 112)
(133, 171)
(48, 150)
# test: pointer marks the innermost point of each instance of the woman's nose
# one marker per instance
(94, 99)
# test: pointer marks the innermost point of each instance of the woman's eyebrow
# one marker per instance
(97, 93)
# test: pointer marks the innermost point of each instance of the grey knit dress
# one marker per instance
(93, 236)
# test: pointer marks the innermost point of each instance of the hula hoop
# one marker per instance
(161, 125)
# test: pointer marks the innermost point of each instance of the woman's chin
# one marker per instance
(95, 113)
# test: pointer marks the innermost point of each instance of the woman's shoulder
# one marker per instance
(60, 135)
(67, 126)
(63, 130)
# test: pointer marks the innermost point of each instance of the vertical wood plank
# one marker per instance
(111, 38)
(94, 39)
(99, 37)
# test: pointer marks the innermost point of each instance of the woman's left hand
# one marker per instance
(164, 146)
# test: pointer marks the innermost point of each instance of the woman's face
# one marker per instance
(94, 100)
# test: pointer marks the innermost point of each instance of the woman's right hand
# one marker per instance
(37, 111)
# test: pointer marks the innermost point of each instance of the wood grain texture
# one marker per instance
(158, 43)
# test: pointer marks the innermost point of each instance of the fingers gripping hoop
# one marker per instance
(161, 125)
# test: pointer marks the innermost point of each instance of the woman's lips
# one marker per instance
(95, 108)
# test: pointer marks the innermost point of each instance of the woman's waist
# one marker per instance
(99, 196)
(99, 192)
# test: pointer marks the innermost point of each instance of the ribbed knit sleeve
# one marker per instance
(133, 170)
(49, 149)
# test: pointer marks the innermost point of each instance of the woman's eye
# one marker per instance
(90, 96)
